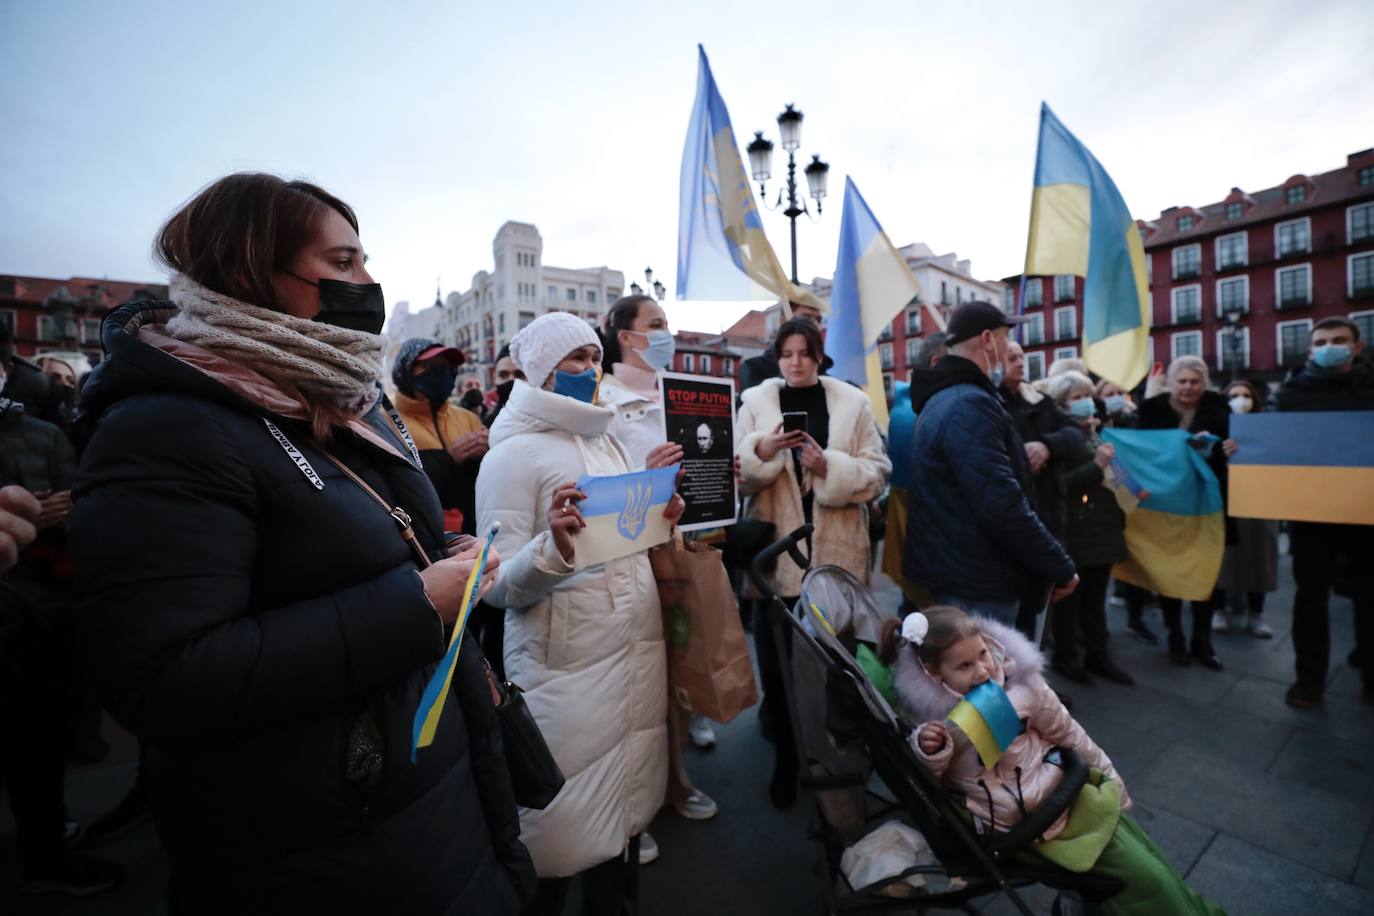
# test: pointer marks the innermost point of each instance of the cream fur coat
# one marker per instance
(857, 469)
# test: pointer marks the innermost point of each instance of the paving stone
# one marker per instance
(1345, 682)
(1337, 715)
(1314, 827)
(1181, 840)
(1364, 873)
(1246, 879)
(1338, 765)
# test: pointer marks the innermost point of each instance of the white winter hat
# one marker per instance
(543, 343)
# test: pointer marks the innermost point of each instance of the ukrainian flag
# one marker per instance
(722, 252)
(1306, 467)
(1079, 225)
(623, 514)
(1177, 533)
(985, 715)
(872, 286)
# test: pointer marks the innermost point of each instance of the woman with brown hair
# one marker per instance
(263, 585)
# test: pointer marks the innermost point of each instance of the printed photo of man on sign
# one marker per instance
(699, 415)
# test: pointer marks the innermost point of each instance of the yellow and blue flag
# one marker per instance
(986, 716)
(1177, 534)
(1303, 467)
(624, 514)
(872, 286)
(722, 251)
(1079, 225)
(431, 708)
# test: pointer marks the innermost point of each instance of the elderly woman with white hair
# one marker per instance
(1188, 404)
(1094, 536)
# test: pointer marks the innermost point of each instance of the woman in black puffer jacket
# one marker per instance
(251, 613)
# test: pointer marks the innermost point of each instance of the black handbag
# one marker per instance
(534, 774)
(745, 539)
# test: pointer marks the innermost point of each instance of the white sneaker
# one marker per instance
(648, 849)
(701, 733)
(1259, 628)
(698, 807)
(1220, 622)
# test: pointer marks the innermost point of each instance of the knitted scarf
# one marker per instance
(326, 366)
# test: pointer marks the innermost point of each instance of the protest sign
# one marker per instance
(624, 514)
(699, 415)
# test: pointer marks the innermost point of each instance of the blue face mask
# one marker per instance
(580, 386)
(435, 384)
(1115, 403)
(659, 354)
(1082, 408)
(1331, 356)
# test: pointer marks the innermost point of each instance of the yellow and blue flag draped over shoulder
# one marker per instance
(1079, 225)
(872, 286)
(722, 252)
(436, 691)
(624, 514)
(1177, 533)
(986, 716)
(1306, 467)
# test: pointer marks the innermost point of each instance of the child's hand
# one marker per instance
(932, 737)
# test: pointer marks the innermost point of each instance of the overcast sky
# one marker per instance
(439, 121)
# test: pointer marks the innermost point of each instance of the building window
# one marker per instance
(1359, 223)
(1065, 323)
(591, 297)
(1232, 251)
(1293, 237)
(944, 293)
(526, 318)
(1009, 300)
(1034, 293)
(8, 319)
(1233, 295)
(887, 385)
(1185, 343)
(1360, 277)
(1185, 224)
(913, 320)
(689, 362)
(1295, 195)
(1035, 330)
(1233, 350)
(913, 350)
(1187, 261)
(1291, 338)
(1293, 286)
(553, 294)
(47, 328)
(729, 365)
(572, 295)
(705, 364)
(885, 354)
(1365, 322)
(501, 323)
(1035, 367)
(1366, 176)
(1066, 353)
(1186, 302)
(1235, 210)
(1063, 288)
(90, 330)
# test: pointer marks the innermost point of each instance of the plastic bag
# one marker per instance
(889, 850)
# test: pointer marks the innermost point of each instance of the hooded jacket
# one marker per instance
(1022, 779)
(971, 527)
(586, 646)
(255, 618)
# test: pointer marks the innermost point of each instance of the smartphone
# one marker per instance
(794, 421)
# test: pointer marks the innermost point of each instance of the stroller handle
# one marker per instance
(768, 555)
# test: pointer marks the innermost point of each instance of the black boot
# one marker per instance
(1202, 651)
(1178, 648)
(1068, 666)
(1137, 626)
(1103, 665)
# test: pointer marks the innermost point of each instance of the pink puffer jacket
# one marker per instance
(1022, 779)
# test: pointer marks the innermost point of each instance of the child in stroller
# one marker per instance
(939, 655)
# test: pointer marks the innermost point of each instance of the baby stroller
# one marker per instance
(856, 759)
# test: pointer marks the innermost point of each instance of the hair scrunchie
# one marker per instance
(914, 628)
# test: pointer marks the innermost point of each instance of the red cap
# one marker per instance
(454, 355)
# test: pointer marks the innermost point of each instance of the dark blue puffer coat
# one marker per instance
(971, 528)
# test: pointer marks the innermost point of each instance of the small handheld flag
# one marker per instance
(989, 720)
(436, 691)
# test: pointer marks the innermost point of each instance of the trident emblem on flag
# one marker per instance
(637, 500)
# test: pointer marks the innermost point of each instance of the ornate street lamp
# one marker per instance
(761, 165)
(659, 290)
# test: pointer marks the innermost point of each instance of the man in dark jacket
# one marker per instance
(973, 539)
(1335, 377)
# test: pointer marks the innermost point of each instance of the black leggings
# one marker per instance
(1085, 610)
(608, 889)
(1202, 617)
(774, 692)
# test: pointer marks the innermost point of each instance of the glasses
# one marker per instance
(503, 375)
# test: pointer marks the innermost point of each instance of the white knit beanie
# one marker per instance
(543, 343)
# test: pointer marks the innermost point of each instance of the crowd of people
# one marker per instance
(251, 548)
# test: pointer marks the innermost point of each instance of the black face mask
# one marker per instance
(435, 384)
(503, 392)
(354, 306)
(472, 399)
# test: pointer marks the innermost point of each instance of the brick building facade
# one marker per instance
(47, 314)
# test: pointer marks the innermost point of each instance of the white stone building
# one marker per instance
(520, 288)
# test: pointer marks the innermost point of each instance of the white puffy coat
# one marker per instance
(638, 421)
(587, 646)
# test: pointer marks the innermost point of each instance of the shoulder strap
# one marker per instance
(399, 515)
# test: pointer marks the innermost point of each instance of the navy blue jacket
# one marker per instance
(971, 529)
(248, 621)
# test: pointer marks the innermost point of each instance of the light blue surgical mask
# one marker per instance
(1082, 408)
(580, 386)
(1115, 403)
(997, 374)
(662, 347)
(1331, 356)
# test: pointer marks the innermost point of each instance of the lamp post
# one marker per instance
(1232, 315)
(659, 290)
(761, 166)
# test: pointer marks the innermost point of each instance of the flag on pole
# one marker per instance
(722, 252)
(431, 707)
(985, 715)
(872, 286)
(1079, 225)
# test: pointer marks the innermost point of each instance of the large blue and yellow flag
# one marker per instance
(722, 252)
(1079, 225)
(1177, 533)
(1303, 467)
(872, 286)
(986, 716)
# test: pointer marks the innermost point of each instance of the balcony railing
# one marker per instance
(1359, 292)
(1187, 273)
(1297, 301)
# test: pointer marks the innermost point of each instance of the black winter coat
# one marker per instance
(248, 624)
(1311, 388)
(1096, 533)
(1045, 423)
(971, 529)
